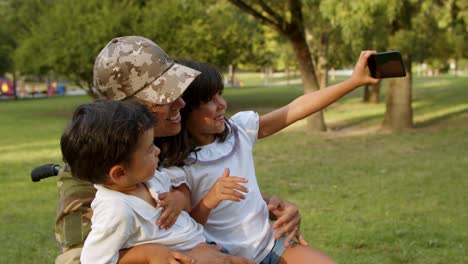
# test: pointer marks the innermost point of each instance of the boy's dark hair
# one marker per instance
(101, 135)
(174, 150)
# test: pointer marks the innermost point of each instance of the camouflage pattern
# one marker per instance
(71, 256)
(74, 213)
(136, 66)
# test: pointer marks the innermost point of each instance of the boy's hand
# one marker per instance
(153, 254)
(288, 220)
(210, 254)
(225, 188)
(179, 258)
(360, 75)
(173, 203)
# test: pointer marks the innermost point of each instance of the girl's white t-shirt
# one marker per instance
(122, 221)
(243, 228)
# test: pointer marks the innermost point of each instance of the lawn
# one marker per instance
(365, 196)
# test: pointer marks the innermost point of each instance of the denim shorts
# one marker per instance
(274, 256)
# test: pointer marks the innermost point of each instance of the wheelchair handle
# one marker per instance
(44, 171)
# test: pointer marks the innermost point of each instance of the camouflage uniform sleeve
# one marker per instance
(73, 221)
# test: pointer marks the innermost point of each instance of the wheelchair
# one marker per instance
(73, 219)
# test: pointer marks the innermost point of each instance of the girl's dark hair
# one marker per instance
(174, 150)
(101, 135)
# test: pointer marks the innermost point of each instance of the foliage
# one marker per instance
(16, 18)
(363, 24)
(425, 29)
(7, 43)
(62, 38)
(207, 30)
(69, 35)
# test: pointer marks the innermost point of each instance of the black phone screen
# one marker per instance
(386, 65)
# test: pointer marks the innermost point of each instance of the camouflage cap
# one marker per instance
(136, 66)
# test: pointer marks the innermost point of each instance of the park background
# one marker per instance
(379, 176)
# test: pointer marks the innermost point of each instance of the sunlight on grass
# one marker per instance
(447, 111)
(31, 154)
(434, 83)
(29, 146)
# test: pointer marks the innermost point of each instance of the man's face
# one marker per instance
(167, 117)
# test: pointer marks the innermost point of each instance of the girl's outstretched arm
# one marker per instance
(310, 103)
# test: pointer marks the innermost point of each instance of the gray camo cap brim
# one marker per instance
(169, 86)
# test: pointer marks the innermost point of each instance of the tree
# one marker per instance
(286, 18)
(67, 45)
(69, 34)
(17, 17)
(421, 30)
(371, 25)
(321, 37)
(7, 44)
(452, 19)
(209, 31)
(414, 31)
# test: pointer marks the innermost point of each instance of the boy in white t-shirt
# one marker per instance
(110, 143)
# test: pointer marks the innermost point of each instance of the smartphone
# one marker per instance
(386, 65)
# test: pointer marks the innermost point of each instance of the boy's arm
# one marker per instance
(310, 103)
(205, 253)
(157, 254)
(153, 254)
(287, 219)
(225, 188)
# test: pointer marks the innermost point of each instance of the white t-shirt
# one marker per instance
(243, 228)
(122, 221)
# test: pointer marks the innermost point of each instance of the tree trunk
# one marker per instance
(366, 95)
(232, 78)
(15, 94)
(267, 72)
(399, 113)
(322, 62)
(372, 94)
(294, 31)
(316, 121)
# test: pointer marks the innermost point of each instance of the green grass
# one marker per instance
(365, 196)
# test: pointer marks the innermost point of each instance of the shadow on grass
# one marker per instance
(362, 120)
(440, 119)
(378, 118)
(355, 121)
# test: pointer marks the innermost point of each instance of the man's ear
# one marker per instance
(117, 173)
